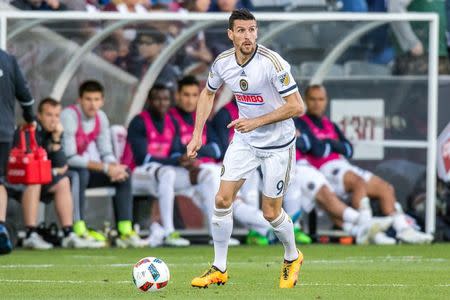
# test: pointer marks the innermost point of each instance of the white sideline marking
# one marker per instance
(393, 285)
(62, 281)
(25, 266)
(347, 261)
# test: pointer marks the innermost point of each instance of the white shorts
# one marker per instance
(277, 166)
(310, 181)
(335, 170)
(144, 179)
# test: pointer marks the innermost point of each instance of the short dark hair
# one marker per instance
(187, 80)
(240, 14)
(47, 101)
(313, 87)
(109, 43)
(151, 32)
(90, 86)
(157, 87)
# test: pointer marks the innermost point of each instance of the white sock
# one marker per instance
(400, 223)
(350, 228)
(250, 216)
(166, 198)
(284, 230)
(365, 210)
(350, 215)
(221, 228)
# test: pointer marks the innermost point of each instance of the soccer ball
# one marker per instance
(150, 274)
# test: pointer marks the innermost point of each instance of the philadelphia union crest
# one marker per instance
(243, 84)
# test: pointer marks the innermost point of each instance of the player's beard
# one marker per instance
(244, 51)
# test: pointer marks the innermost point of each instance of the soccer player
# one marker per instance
(268, 99)
(88, 147)
(153, 149)
(329, 153)
(310, 186)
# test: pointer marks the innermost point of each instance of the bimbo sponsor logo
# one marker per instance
(249, 99)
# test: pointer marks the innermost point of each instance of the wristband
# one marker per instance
(105, 168)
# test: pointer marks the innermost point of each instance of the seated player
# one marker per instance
(310, 186)
(329, 153)
(246, 206)
(86, 133)
(153, 148)
(49, 134)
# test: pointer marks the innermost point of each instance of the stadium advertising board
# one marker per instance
(361, 120)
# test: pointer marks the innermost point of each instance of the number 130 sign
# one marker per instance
(361, 120)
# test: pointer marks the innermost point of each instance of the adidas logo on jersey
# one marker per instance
(249, 99)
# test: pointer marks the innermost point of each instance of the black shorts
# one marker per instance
(46, 195)
(5, 148)
(15, 191)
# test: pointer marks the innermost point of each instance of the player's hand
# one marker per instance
(62, 170)
(244, 125)
(56, 134)
(185, 161)
(298, 133)
(117, 172)
(194, 145)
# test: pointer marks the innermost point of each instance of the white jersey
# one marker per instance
(259, 86)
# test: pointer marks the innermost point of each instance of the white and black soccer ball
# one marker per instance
(151, 274)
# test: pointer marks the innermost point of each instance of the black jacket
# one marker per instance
(12, 86)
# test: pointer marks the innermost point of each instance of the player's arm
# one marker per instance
(204, 107)
(212, 148)
(302, 142)
(222, 132)
(23, 94)
(293, 107)
(341, 146)
(316, 147)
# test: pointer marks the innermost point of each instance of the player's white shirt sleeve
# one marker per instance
(282, 79)
(214, 80)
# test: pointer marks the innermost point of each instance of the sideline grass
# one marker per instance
(329, 272)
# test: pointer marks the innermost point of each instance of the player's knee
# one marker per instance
(324, 195)
(223, 201)
(166, 175)
(206, 176)
(389, 188)
(271, 214)
(63, 185)
(353, 182)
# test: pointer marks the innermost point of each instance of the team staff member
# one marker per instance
(12, 86)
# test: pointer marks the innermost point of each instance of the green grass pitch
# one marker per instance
(329, 272)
